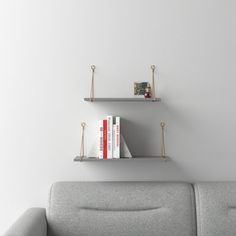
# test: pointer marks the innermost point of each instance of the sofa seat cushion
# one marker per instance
(121, 208)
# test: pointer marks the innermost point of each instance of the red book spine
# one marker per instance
(104, 139)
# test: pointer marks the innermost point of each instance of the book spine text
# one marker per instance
(109, 137)
(104, 139)
(117, 137)
(100, 139)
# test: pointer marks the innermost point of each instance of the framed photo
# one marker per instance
(139, 88)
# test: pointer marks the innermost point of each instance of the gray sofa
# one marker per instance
(133, 209)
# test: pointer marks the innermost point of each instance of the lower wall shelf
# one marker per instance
(135, 158)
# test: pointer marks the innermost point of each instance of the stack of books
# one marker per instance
(109, 138)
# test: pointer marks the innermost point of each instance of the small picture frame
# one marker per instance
(139, 88)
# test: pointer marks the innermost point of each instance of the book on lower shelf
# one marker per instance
(104, 139)
(110, 137)
(111, 144)
(116, 138)
(100, 139)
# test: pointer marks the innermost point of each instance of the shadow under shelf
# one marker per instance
(135, 158)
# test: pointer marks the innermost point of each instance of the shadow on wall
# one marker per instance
(141, 139)
(138, 170)
(140, 124)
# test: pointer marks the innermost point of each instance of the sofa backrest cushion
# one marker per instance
(216, 208)
(121, 208)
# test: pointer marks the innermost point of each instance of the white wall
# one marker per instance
(46, 49)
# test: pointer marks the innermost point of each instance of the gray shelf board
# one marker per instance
(135, 158)
(122, 100)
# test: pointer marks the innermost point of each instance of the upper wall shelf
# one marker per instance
(152, 96)
(122, 99)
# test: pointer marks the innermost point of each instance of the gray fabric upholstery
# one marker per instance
(216, 208)
(31, 223)
(121, 209)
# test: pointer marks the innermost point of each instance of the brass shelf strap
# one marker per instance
(93, 67)
(153, 68)
(83, 124)
(163, 150)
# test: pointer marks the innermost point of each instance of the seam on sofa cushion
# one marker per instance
(144, 209)
(193, 210)
(198, 210)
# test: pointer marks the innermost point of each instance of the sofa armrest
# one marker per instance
(31, 223)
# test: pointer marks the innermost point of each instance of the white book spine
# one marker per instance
(109, 137)
(100, 139)
(114, 141)
(117, 138)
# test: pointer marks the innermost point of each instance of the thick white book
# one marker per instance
(114, 142)
(100, 139)
(117, 137)
(109, 137)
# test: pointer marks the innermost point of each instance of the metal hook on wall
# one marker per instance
(93, 67)
(153, 68)
(163, 150)
(83, 124)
